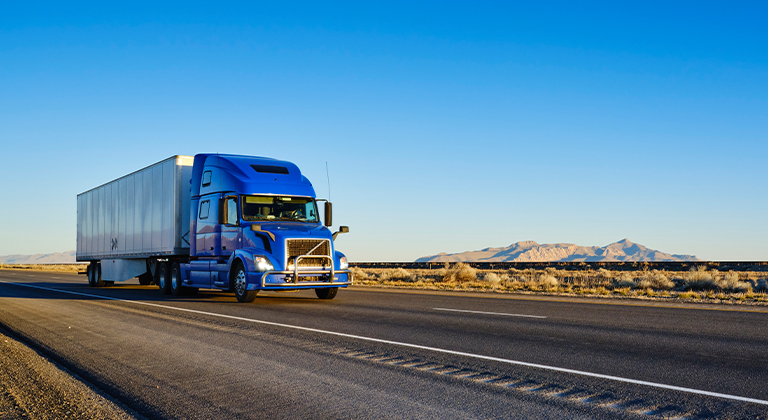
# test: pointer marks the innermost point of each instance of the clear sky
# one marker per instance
(446, 126)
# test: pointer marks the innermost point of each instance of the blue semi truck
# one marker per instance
(237, 223)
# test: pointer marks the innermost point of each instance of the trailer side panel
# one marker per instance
(143, 214)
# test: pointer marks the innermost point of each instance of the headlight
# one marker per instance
(343, 264)
(262, 264)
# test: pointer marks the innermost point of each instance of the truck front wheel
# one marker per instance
(328, 293)
(240, 285)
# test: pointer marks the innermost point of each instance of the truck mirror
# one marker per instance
(328, 214)
(342, 229)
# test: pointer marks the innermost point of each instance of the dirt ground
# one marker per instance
(32, 387)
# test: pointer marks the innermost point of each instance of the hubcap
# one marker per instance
(162, 279)
(174, 279)
(240, 282)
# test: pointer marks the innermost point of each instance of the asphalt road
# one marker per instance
(393, 354)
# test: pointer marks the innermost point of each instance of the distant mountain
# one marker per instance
(530, 251)
(56, 257)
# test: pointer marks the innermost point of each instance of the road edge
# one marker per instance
(33, 385)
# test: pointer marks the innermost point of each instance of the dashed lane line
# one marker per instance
(420, 347)
(488, 313)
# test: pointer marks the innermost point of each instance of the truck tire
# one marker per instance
(145, 279)
(94, 275)
(162, 278)
(175, 280)
(327, 293)
(239, 285)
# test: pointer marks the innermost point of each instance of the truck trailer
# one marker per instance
(230, 222)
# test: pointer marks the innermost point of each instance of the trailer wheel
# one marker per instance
(328, 293)
(239, 284)
(175, 280)
(94, 275)
(162, 278)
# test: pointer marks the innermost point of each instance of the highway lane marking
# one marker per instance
(488, 313)
(420, 347)
(560, 299)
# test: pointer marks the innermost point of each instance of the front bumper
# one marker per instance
(288, 279)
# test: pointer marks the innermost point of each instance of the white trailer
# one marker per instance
(132, 221)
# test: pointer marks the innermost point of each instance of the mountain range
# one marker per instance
(524, 251)
(530, 251)
(56, 257)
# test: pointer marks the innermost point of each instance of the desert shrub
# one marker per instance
(495, 279)
(548, 281)
(762, 285)
(730, 281)
(460, 273)
(605, 274)
(396, 274)
(359, 273)
(655, 280)
(700, 279)
(625, 280)
(492, 278)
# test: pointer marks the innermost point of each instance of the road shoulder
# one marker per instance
(32, 387)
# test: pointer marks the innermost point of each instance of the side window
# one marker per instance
(309, 211)
(230, 209)
(205, 206)
(206, 178)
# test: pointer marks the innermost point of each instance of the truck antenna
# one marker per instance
(328, 176)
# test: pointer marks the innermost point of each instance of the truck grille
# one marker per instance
(297, 247)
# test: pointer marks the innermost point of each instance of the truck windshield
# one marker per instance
(282, 208)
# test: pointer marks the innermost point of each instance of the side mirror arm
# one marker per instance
(342, 229)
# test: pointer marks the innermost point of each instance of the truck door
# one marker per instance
(230, 228)
(207, 225)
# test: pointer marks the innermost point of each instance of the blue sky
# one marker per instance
(446, 126)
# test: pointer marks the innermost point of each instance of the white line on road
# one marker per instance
(488, 313)
(416, 346)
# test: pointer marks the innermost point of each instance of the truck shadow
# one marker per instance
(136, 292)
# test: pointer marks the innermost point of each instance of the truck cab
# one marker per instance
(255, 225)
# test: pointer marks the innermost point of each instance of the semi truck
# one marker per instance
(213, 221)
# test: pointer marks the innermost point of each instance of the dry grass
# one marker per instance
(66, 268)
(699, 285)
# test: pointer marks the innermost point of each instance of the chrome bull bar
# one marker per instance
(295, 272)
